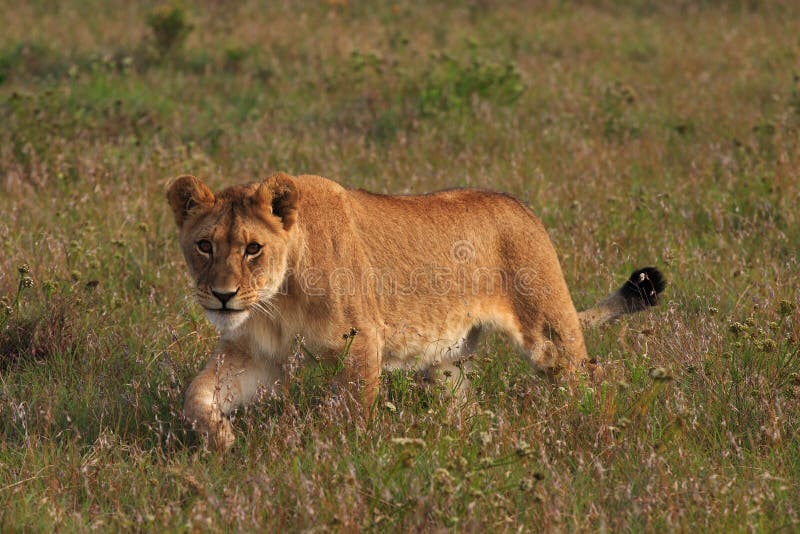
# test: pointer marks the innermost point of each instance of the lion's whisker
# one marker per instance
(258, 306)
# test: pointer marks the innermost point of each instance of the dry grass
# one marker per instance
(639, 133)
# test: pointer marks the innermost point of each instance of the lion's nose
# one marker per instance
(224, 297)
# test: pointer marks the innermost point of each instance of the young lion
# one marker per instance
(417, 277)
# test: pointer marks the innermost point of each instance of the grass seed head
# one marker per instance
(526, 484)
(403, 441)
(523, 450)
(766, 345)
(659, 374)
(738, 328)
(786, 308)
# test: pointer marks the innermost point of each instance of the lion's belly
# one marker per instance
(451, 337)
(419, 349)
(433, 341)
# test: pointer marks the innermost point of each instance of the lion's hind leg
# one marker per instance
(552, 350)
(551, 343)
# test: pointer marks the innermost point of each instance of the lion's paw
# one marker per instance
(222, 438)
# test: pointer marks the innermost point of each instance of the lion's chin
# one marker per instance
(227, 321)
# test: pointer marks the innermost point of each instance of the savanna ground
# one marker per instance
(640, 133)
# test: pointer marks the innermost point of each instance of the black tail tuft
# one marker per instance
(642, 288)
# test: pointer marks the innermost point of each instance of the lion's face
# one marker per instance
(235, 244)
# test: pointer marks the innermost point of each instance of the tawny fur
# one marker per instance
(419, 278)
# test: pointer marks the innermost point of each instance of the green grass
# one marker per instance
(640, 134)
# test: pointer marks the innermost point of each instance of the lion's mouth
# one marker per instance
(227, 319)
(226, 310)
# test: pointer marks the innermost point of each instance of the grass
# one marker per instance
(640, 133)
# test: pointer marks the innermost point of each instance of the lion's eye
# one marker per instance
(204, 246)
(252, 249)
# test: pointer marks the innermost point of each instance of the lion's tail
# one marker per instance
(637, 294)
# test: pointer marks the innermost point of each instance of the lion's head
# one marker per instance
(236, 243)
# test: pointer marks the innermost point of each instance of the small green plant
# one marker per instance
(234, 57)
(170, 26)
(616, 107)
(794, 96)
(451, 84)
(25, 282)
(31, 58)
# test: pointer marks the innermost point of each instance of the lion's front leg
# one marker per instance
(230, 379)
(362, 370)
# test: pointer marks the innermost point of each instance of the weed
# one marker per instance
(235, 56)
(615, 108)
(450, 85)
(170, 26)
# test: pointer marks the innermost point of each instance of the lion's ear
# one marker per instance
(185, 194)
(280, 193)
